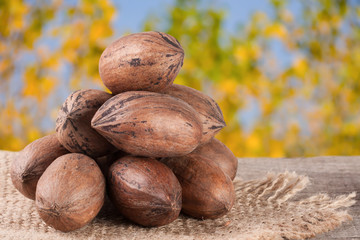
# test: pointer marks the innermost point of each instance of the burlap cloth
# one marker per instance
(263, 210)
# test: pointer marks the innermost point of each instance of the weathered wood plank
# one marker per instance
(333, 175)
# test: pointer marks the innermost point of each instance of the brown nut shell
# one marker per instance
(147, 61)
(144, 190)
(209, 111)
(32, 161)
(106, 161)
(73, 124)
(149, 124)
(219, 153)
(71, 192)
(207, 191)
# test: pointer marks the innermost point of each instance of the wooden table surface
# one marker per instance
(333, 175)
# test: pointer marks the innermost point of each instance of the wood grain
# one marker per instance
(334, 175)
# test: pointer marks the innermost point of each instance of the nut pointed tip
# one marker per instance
(94, 124)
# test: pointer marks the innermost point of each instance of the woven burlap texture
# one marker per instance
(263, 210)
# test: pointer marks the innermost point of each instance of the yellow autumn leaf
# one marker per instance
(336, 21)
(229, 86)
(51, 62)
(277, 149)
(70, 46)
(241, 53)
(179, 80)
(276, 30)
(18, 10)
(37, 87)
(233, 139)
(87, 7)
(33, 134)
(2, 47)
(108, 10)
(4, 64)
(189, 65)
(300, 67)
(15, 143)
(31, 83)
(253, 143)
(99, 28)
(47, 84)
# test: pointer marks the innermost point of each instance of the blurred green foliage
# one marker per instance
(308, 105)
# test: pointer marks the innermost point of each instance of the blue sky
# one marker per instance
(132, 14)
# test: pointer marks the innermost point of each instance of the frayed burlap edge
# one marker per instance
(264, 209)
(274, 216)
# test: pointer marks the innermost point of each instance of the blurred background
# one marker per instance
(286, 74)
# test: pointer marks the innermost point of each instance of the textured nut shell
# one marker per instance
(142, 61)
(209, 111)
(71, 192)
(207, 191)
(217, 152)
(73, 124)
(32, 161)
(145, 191)
(105, 162)
(149, 124)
